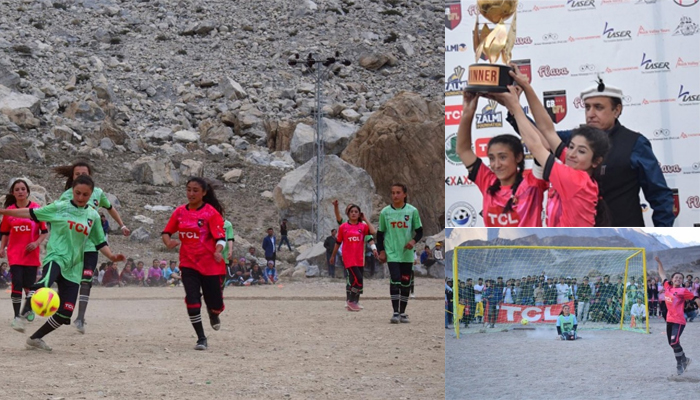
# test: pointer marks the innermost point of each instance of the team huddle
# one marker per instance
(591, 175)
(75, 235)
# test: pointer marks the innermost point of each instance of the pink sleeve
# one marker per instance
(172, 225)
(484, 178)
(568, 181)
(5, 225)
(532, 180)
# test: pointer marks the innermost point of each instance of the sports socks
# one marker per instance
(83, 300)
(196, 320)
(395, 298)
(50, 326)
(403, 299)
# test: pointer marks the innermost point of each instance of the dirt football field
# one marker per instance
(604, 364)
(291, 342)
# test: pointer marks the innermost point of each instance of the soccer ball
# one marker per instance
(524, 321)
(461, 216)
(45, 302)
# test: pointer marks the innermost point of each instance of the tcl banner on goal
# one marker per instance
(512, 313)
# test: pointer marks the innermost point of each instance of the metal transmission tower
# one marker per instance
(321, 67)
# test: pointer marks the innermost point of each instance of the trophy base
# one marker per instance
(492, 78)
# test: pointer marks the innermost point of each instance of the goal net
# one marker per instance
(501, 285)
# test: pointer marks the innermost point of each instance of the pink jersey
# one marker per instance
(527, 204)
(675, 302)
(21, 232)
(199, 230)
(352, 236)
(572, 197)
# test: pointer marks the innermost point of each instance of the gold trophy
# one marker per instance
(492, 43)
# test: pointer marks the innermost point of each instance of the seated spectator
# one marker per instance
(610, 312)
(5, 277)
(111, 277)
(232, 277)
(271, 273)
(127, 278)
(172, 274)
(243, 267)
(426, 257)
(139, 274)
(256, 275)
(155, 275)
(101, 273)
(690, 310)
(438, 255)
(640, 312)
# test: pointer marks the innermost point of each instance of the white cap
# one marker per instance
(608, 91)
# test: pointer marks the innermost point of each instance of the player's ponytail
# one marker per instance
(67, 171)
(10, 197)
(599, 142)
(210, 196)
(516, 146)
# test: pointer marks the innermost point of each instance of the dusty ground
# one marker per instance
(602, 365)
(293, 342)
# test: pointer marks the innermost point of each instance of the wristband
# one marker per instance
(122, 227)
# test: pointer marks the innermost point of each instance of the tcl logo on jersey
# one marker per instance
(399, 224)
(69, 306)
(496, 217)
(78, 227)
(189, 235)
(353, 239)
(22, 228)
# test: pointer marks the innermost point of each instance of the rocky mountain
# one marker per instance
(155, 91)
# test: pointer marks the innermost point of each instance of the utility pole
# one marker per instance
(321, 66)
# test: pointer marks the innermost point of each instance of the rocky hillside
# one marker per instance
(204, 88)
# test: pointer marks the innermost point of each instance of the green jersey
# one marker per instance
(97, 200)
(566, 323)
(399, 226)
(72, 227)
(228, 228)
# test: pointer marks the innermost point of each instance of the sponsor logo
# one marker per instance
(671, 169)
(22, 228)
(69, 306)
(520, 41)
(612, 35)
(664, 134)
(694, 169)
(189, 235)
(489, 118)
(551, 38)
(547, 71)
(458, 180)
(453, 14)
(455, 84)
(524, 67)
(647, 32)
(585, 69)
(686, 3)
(609, 70)
(686, 27)
(533, 314)
(572, 39)
(649, 65)
(683, 64)
(693, 202)
(547, 7)
(399, 224)
(481, 147)
(687, 135)
(555, 104)
(461, 214)
(578, 5)
(461, 47)
(686, 98)
(578, 103)
(472, 10)
(453, 114)
(78, 227)
(451, 150)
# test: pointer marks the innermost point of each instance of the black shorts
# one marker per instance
(22, 278)
(674, 332)
(67, 290)
(354, 279)
(89, 265)
(197, 285)
(401, 274)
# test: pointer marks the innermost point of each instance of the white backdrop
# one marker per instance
(648, 48)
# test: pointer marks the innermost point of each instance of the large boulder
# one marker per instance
(232, 89)
(23, 117)
(8, 78)
(279, 134)
(85, 111)
(401, 143)
(110, 130)
(211, 132)
(13, 100)
(313, 254)
(293, 196)
(190, 168)
(336, 136)
(155, 171)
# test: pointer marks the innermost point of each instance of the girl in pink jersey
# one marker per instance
(675, 296)
(351, 235)
(512, 196)
(573, 197)
(21, 238)
(200, 226)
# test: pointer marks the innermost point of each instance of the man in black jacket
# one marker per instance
(329, 244)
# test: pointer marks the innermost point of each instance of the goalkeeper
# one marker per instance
(567, 324)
